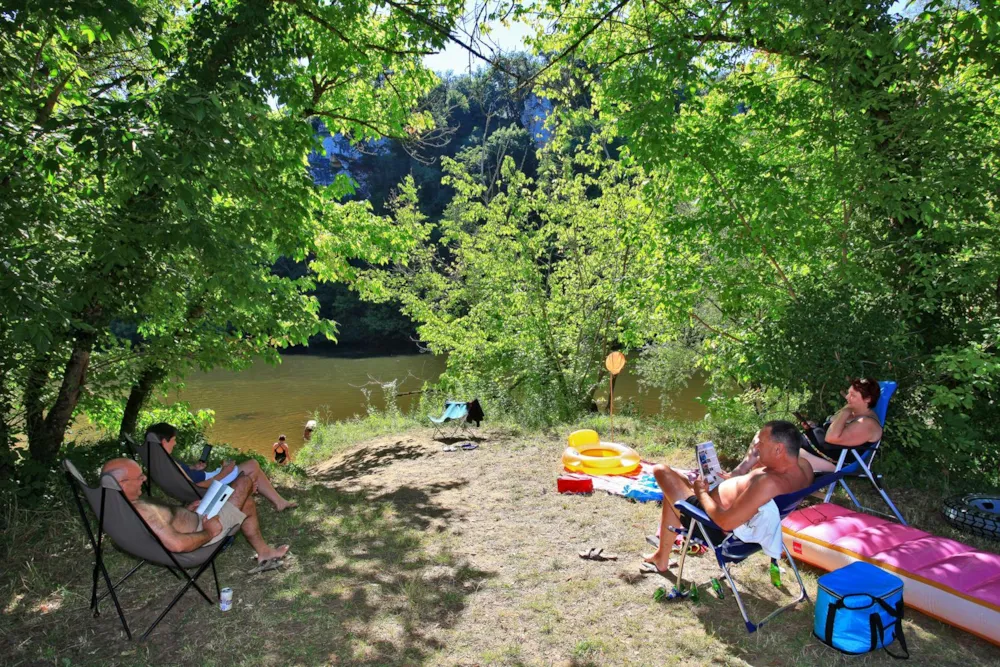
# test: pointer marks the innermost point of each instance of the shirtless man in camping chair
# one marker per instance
(180, 529)
(774, 469)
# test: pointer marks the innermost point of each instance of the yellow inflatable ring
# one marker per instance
(587, 454)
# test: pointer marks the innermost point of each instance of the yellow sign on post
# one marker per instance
(614, 362)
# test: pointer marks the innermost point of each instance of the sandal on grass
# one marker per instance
(645, 567)
(696, 548)
(597, 554)
(266, 565)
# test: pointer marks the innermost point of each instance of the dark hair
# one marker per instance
(787, 434)
(163, 431)
(281, 437)
(869, 390)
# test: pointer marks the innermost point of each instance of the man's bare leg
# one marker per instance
(675, 487)
(251, 469)
(243, 499)
(818, 464)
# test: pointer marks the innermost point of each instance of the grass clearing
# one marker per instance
(407, 555)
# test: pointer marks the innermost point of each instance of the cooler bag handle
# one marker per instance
(879, 630)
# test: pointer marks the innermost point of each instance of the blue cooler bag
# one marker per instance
(859, 608)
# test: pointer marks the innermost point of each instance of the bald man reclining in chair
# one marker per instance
(774, 469)
(180, 529)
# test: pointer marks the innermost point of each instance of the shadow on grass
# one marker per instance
(364, 586)
(468, 437)
(364, 461)
(788, 640)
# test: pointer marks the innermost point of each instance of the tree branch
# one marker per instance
(716, 331)
(746, 225)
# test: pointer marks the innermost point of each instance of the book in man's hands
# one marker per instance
(708, 464)
(213, 500)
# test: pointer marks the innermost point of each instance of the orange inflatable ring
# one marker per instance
(587, 454)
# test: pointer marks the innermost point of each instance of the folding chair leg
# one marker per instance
(802, 592)
(878, 487)
(750, 625)
(215, 575)
(120, 582)
(680, 561)
(833, 487)
(191, 582)
(114, 598)
(739, 600)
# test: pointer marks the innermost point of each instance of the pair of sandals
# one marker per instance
(598, 554)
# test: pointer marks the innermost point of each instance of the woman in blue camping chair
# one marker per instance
(854, 425)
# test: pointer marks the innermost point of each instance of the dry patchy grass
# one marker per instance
(408, 555)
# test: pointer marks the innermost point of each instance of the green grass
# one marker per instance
(330, 439)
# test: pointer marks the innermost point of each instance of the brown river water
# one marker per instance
(252, 407)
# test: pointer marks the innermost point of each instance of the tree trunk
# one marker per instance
(137, 399)
(34, 391)
(6, 453)
(45, 436)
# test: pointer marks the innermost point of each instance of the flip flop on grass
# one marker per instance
(597, 553)
(266, 565)
(645, 567)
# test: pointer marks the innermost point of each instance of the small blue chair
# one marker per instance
(733, 550)
(454, 411)
(861, 465)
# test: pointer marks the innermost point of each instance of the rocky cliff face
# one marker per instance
(340, 157)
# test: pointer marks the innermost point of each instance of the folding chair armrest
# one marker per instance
(696, 513)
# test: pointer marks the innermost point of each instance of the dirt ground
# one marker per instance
(404, 554)
(534, 601)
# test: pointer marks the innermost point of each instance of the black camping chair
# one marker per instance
(162, 470)
(119, 519)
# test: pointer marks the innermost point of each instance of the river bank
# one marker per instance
(404, 554)
(252, 407)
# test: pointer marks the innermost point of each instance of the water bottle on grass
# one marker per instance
(775, 573)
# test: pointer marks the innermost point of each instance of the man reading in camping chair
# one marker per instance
(180, 529)
(776, 469)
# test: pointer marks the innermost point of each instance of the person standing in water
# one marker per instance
(280, 451)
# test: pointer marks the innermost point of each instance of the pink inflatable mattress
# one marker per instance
(942, 578)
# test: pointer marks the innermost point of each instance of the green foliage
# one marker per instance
(149, 185)
(828, 179)
(526, 285)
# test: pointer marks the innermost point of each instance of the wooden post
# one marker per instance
(614, 362)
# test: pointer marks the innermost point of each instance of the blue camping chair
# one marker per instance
(860, 466)
(454, 411)
(733, 550)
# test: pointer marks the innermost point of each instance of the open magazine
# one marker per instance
(214, 499)
(708, 463)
